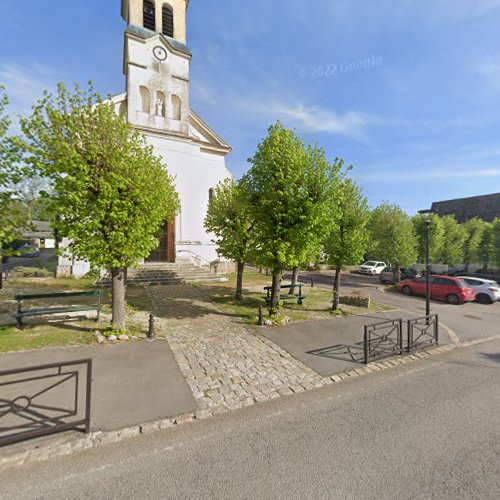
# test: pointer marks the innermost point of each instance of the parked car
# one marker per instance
(487, 291)
(372, 267)
(456, 271)
(452, 290)
(406, 273)
(27, 251)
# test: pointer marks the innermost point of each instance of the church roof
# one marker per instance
(208, 132)
(485, 207)
(145, 34)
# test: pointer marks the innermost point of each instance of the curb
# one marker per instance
(67, 445)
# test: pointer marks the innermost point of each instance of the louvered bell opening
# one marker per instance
(149, 16)
(168, 22)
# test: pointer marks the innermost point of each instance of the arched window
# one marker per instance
(160, 104)
(211, 194)
(168, 21)
(149, 16)
(145, 99)
(176, 108)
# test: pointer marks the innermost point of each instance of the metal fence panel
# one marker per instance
(45, 399)
(383, 340)
(423, 332)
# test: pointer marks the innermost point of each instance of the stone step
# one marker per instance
(169, 281)
(167, 273)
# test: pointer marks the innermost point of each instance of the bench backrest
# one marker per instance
(95, 293)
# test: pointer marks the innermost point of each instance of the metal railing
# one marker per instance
(43, 400)
(423, 332)
(383, 340)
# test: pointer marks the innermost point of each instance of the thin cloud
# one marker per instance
(435, 174)
(24, 85)
(490, 72)
(313, 119)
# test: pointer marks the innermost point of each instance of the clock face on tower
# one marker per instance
(160, 53)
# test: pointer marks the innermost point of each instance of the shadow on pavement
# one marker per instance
(342, 352)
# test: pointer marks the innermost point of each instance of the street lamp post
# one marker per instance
(427, 261)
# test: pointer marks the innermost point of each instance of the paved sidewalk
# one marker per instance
(226, 363)
(333, 346)
(132, 383)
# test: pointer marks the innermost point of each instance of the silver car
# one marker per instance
(487, 291)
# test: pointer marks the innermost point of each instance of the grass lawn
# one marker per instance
(64, 332)
(46, 335)
(317, 304)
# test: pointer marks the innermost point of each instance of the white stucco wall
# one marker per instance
(194, 172)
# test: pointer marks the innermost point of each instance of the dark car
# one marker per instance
(27, 251)
(406, 273)
(456, 271)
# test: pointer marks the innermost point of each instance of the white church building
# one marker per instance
(157, 70)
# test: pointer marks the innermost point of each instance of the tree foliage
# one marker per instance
(495, 237)
(12, 218)
(436, 237)
(229, 219)
(486, 250)
(288, 186)
(111, 191)
(455, 237)
(347, 239)
(474, 235)
(392, 235)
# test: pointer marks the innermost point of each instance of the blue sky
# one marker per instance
(407, 91)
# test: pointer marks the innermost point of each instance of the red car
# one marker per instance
(452, 290)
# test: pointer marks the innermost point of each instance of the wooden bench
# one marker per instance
(58, 309)
(289, 296)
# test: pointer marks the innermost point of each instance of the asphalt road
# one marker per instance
(430, 429)
(465, 322)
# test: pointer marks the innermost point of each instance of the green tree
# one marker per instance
(436, 237)
(495, 233)
(474, 230)
(455, 236)
(346, 242)
(12, 217)
(486, 250)
(229, 219)
(288, 186)
(393, 236)
(324, 182)
(111, 192)
(34, 194)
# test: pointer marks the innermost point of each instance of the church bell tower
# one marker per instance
(156, 65)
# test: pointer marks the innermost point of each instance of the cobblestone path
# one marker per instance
(226, 363)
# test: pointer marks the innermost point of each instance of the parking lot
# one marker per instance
(467, 322)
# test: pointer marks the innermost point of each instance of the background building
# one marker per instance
(486, 207)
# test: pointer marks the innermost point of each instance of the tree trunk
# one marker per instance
(276, 291)
(397, 273)
(118, 292)
(239, 281)
(295, 279)
(336, 289)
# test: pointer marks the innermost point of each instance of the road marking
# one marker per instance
(472, 343)
(453, 336)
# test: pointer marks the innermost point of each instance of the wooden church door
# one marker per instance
(166, 245)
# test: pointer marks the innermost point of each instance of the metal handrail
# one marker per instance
(199, 257)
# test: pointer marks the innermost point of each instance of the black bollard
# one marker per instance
(261, 316)
(151, 330)
(312, 282)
